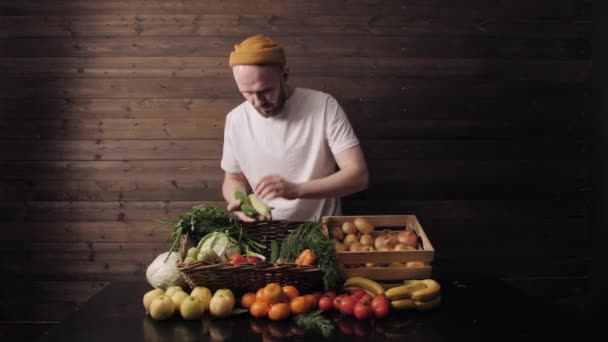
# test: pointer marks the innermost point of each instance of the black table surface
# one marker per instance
(471, 310)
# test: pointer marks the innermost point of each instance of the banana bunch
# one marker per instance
(369, 286)
(422, 295)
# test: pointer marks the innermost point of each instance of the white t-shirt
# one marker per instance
(298, 144)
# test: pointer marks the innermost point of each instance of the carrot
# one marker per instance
(306, 258)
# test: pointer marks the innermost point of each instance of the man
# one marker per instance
(284, 142)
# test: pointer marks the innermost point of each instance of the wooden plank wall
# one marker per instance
(473, 115)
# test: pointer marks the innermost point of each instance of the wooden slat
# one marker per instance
(137, 231)
(287, 25)
(333, 46)
(366, 129)
(71, 150)
(111, 149)
(192, 67)
(361, 88)
(58, 211)
(73, 271)
(209, 170)
(476, 105)
(558, 9)
(143, 252)
(388, 189)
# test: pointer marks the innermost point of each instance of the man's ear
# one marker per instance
(285, 74)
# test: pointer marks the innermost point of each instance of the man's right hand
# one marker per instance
(235, 208)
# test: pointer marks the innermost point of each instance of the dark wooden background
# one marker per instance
(473, 115)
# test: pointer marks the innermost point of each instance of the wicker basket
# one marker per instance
(249, 277)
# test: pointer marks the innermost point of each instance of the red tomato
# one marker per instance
(253, 259)
(363, 311)
(331, 294)
(380, 306)
(358, 293)
(318, 295)
(236, 259)
(366, 299)
(347, 305)
(337, 302)
(326, 303)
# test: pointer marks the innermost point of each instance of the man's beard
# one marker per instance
(278, 108)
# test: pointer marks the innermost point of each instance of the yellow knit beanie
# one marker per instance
(257, 50)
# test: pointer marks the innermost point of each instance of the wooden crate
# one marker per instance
(425, 252)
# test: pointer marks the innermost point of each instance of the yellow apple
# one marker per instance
(172, 289)
(222, 303)
(150, 295)
(204, 294)
(178, 298)
(162, 307)
(191, 308)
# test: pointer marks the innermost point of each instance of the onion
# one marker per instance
(358, 247)
(384, 241)
(408, 238)
(402, 247)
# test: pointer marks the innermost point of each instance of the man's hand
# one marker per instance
(235, 208)
(272, 186)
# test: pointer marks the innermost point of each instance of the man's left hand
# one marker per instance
(272, 186)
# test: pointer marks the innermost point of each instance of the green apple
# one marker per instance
(178, 298)
(150, 295)
(227, 292)
(191, 308)
(222, 303)
(204, 294)
(162, 307)
(172, 289)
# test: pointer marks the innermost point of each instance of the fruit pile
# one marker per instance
(162, 305)
(278, 302)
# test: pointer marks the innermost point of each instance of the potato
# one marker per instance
(349, 240)
(363, 226)
(337, 233)
(349, 228)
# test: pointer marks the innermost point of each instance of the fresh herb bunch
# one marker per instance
(205, 219)
(310, 235)
(315, 321)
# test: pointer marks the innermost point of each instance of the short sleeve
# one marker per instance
(229, 162)
(339, 132)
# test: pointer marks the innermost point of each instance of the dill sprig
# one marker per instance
(310, 235)
(314, 320)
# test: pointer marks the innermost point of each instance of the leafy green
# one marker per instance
(310, 235)
(314, 320)
(205, 219)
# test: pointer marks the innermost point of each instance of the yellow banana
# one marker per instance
(428, 305)
(431, 291)
(364, 283)
(260, 206)
(403, 304)
(404, 291)
(350, 288)
(411, 281)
